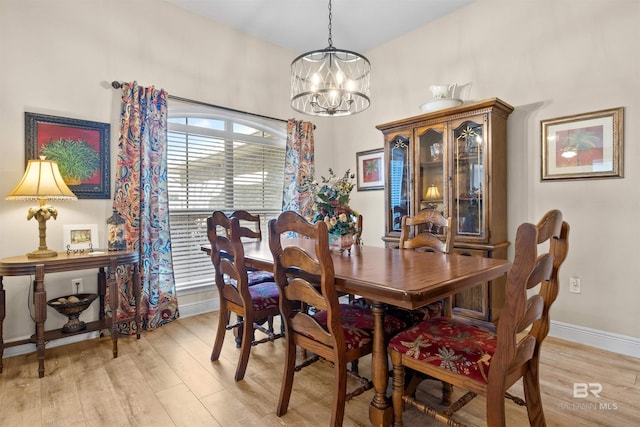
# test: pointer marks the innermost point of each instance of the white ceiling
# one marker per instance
(302, 25)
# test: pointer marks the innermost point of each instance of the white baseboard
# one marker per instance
(200, 307)
(609, 341)
(31, 348)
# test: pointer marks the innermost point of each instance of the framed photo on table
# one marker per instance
(583, 146)
(80, 147)
(370, 169)
(78, 237)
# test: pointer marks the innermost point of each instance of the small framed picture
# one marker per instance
(80, 236)
(583, 146)
(370, 168)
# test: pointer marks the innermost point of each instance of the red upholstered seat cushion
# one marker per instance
(450, 345)
(357, 324)
(264, 295)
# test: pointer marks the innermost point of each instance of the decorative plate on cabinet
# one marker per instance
(440, 104)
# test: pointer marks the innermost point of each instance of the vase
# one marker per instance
(341, 242)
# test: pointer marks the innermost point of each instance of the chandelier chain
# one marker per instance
(330, 40)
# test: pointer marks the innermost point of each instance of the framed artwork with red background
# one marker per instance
(370, 167)
(80, 147)
(583, 146)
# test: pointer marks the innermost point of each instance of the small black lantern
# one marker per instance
(116, 232)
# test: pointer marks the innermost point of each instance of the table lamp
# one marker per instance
(432, 194)
(42, 181)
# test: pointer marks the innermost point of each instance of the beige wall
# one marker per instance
(59, 57)
(547, 58)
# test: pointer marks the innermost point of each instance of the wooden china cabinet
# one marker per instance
(454, 160)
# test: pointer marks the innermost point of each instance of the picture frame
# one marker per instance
(80, 147)
(78, 237)
(583, 146)
(370, 169)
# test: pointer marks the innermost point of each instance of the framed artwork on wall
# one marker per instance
(583, 146)
(80, 147)
(370, 169)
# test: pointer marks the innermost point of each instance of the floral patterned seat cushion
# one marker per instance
(357, 324)
(450, 345)
(259, 276)
(264, 295)
(413, 317)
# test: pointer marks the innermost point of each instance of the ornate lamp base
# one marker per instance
(42, 253)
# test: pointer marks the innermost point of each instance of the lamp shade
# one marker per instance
(432, 193)
(41, 180)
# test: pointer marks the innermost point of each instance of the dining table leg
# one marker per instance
(380, 409)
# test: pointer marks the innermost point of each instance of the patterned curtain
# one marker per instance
(298, 167)
(141, 198)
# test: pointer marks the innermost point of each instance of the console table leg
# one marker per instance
(114, 294)
(102, 291)
(40, 308)
(2, 315)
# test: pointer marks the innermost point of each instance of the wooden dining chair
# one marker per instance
(430, 231)
(249, 303)
(427, 231)
(339, 333)
(251, 230)
(489, 363)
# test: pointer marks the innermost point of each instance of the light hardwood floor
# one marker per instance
(167, 379)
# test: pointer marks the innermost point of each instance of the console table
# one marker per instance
(38, 267)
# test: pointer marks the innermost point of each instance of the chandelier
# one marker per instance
(330, 81)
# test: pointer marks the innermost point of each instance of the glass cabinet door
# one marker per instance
(431, 186)
(469, 181)
(399, 181)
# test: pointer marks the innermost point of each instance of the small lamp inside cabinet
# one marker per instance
(115, 225)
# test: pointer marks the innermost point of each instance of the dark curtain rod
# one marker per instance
(119, 85)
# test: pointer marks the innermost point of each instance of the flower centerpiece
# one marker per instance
(331, 205)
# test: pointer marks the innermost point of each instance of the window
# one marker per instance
(218, 159)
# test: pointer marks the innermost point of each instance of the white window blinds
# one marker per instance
(218, 160)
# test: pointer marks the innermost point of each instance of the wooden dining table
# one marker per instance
(385, 276)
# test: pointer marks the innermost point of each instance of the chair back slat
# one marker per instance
(427, 230)
(308, 326)
(300, 289)
(300, 259)
(247, 217)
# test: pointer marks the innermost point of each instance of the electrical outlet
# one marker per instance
(574, 285)
(77, 286)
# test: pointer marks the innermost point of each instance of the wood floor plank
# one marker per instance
(185, 408)
(20, 392)
(136, 398)
(189, 370)
(166, 378)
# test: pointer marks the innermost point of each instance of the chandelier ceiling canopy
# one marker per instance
(330, 81)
